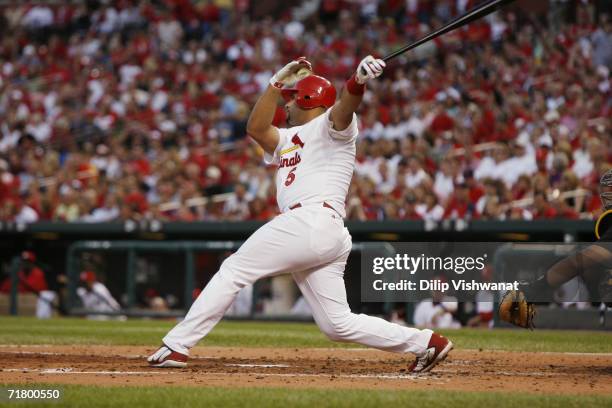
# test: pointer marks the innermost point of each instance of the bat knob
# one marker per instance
(303, 73)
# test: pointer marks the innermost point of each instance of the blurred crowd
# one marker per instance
(116, 110)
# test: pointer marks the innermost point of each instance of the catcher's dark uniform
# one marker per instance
(603, 232)
(603, 227)
(593, 263)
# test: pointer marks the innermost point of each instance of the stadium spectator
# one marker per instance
(138, 110)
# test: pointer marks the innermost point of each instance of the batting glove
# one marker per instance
(369, 68)
(291, 73)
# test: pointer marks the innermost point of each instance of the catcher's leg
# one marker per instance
(323, 288)
(590, 263)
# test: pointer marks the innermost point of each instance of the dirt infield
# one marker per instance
(465, 370)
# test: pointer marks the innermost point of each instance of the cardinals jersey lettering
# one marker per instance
(315, 163)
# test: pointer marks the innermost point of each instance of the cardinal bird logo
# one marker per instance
(297, 141)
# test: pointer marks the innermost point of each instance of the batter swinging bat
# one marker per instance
(474, 14)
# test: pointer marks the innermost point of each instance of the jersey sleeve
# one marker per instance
(275, 157)
(104, 294)
(349, 133)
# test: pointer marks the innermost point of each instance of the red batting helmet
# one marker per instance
(311, 92)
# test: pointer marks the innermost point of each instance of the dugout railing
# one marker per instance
(188, 250)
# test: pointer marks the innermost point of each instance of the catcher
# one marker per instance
(593, 264)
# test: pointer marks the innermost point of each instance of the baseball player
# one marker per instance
(593, 264)
(315, 159)
(95, 295)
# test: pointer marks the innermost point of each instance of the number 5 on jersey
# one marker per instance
(290, 177)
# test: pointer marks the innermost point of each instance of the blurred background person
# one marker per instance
(94, 295)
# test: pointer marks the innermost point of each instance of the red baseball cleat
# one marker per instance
(165, 357)
(437, 350)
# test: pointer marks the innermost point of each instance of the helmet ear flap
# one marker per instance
(288, 94)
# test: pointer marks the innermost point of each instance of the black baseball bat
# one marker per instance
(474, 14)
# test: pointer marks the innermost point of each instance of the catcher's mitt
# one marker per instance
(515, 309)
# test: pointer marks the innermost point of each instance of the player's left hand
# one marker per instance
(291, 72)
(369, 68)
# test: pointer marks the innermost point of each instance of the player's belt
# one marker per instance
(298, 205)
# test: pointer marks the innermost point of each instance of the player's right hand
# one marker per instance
(369, 68)
(289, 73)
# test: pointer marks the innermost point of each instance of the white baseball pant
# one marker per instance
(312, 243)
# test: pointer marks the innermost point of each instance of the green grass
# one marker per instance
(150, 332)
(91, 397)
(19, 330)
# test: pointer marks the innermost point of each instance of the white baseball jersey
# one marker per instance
(315, 163)
(98, 299)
